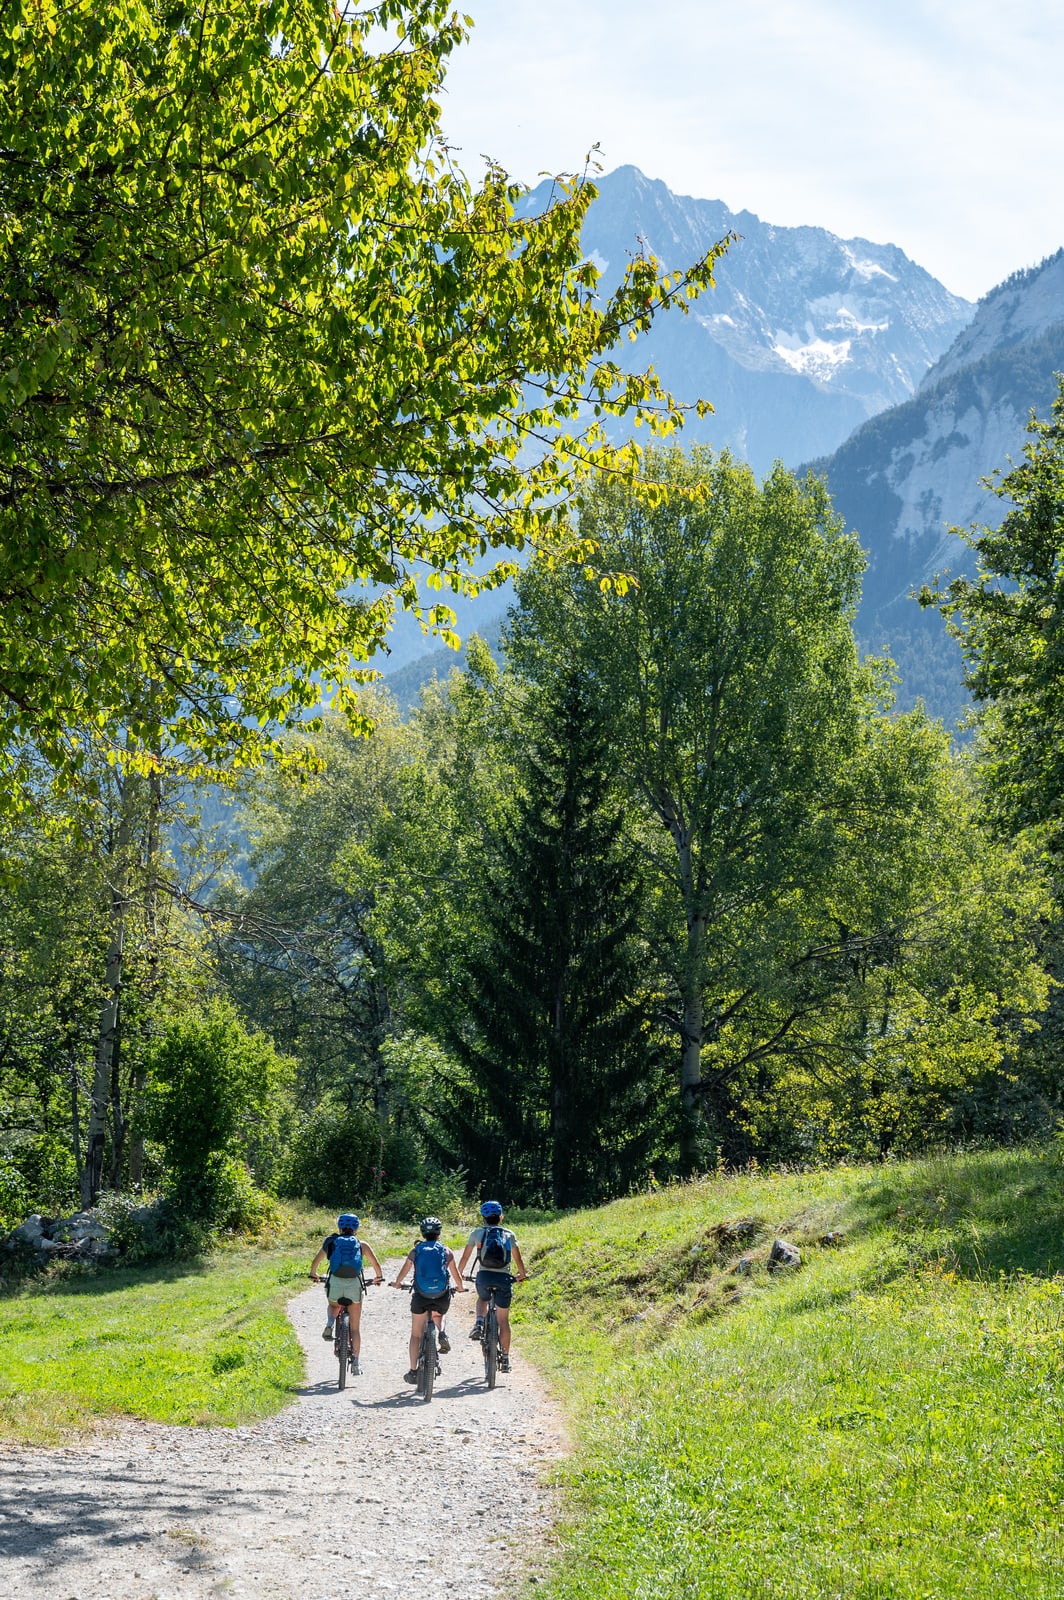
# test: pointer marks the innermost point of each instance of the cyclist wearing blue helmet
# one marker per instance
(435, 1275)
(496, 1247)
(345, 1279)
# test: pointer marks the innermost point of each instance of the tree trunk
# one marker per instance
(692, 1028)
(96, 1138)
(138, 1075)
(118, 1120)
(75, 1119)
(560, 1133)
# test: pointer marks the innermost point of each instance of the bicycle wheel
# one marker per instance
(343, 1346)
(428, 1359)
(491, 1347)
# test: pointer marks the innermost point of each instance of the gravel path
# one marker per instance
(370, 1492)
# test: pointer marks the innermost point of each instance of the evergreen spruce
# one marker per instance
(558, 1100)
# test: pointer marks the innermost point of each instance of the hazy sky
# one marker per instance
(936, 125)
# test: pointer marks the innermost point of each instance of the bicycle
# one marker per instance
(428, 1355)
(343, 1344)
(490, 1342)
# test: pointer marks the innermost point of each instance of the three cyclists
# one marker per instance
(437, 1275)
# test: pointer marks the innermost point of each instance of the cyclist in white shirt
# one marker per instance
(496, 1247)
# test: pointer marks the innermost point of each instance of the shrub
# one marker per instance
(218, 1092)
(334, 1157)
(155, 1230)
(14, 1195)
(442, 1195)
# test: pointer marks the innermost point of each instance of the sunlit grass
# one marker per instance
(203, 1342)
(887, 1422)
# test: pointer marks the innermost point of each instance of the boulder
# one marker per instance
(783, 1256)
(30, 1232)
(82, 1225)
(744, 1266)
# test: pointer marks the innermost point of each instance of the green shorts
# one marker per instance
(350, 1288)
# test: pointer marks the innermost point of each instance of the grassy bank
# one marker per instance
(203, 1342)
(885, 1422)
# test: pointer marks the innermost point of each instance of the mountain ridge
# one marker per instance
(805, 335)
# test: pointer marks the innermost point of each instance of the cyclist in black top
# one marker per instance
(351, 1288)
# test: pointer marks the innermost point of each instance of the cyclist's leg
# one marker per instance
(417, 1327)
(503, 1314)
(355, 1312)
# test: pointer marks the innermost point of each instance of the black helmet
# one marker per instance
(431, 1227)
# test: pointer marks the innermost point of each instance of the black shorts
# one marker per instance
(433, 1302)
(501, 1282)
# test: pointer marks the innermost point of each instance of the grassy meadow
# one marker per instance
(883, 1424)
(196, 1342)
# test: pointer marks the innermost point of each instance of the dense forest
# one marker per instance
(668, 886)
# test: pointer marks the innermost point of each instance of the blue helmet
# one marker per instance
(347, 1220)
(491, 1211)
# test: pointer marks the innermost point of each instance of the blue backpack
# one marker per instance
(431, 1277)
(495, 1248)
(346, 1258)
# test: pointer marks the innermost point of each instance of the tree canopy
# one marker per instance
(1010, 623)
(267, 360)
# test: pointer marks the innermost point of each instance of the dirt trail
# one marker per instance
(370, 1492)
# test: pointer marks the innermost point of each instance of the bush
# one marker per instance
(335, 1157)
(218, 1092)
(39, 1174)
(14, 1195)
(151, 1231)
(441, 1196)
(187, 1220)
(229, 1197)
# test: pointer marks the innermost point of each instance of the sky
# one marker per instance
(935, 125)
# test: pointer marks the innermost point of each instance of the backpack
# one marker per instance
(346, 1258)
(495, 1249)
(431, 1277)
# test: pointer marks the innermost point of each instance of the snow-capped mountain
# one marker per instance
(805, 335)
(908, 476)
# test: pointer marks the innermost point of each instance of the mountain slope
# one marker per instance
(909, 475)
(805, 336)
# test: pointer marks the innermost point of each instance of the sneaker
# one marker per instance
(327, 1331)
(477, 1330)
(504, 1362)
(356, 1369)
(444, 1344)
(411, 1376)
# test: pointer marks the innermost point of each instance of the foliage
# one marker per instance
(218, 1091)
(811, 1435)
(154, 1230)
(1010, 623)
(334, 1156)
(557, 1099)
(298, 952)
(14, 1194)
(441, 1195)
(96, 947)
(266, 356)
(817, 861)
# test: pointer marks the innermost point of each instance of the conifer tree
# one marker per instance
(557, 1100)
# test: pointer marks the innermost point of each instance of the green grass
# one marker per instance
(204, 1342)
(884, 1424)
